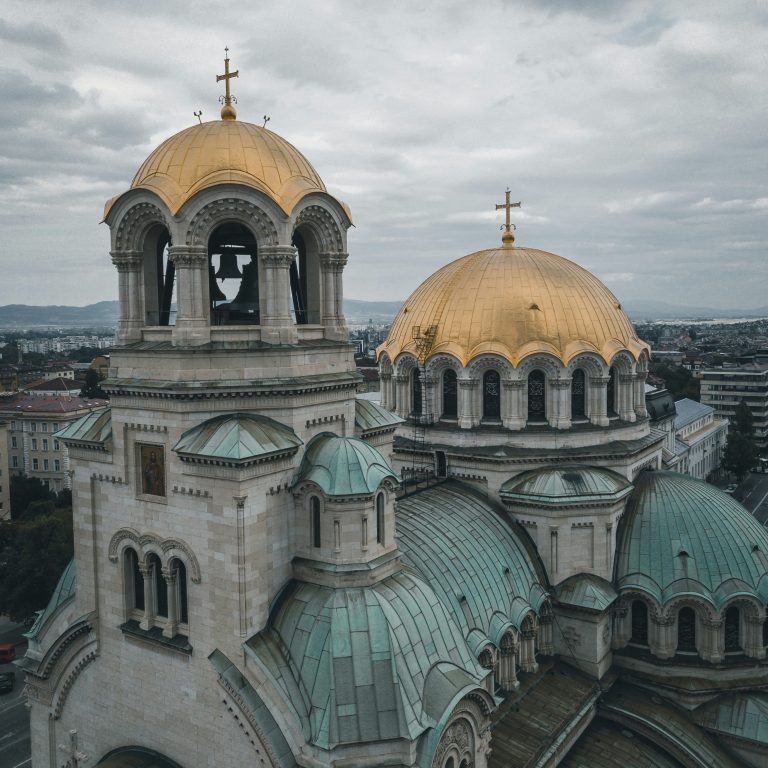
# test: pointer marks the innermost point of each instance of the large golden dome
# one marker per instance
(513, 302)
(224, 151)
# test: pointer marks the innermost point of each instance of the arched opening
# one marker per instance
(639, 623)
(314, 520)
(611, 391)
(537, 390)
(765, 633)
(380, 519)
(450, 400)
(441, 465)
(416, 393)
(159, 279)
(159, 585)
(233, 261)
(578, 394)
(491, 396)
(134, 581)
(181, 590)
(732, 630)
(686, 630)
(450, 763)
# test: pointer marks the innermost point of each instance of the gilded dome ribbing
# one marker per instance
(514, 302)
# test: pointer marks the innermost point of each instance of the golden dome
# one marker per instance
(513, 302)
(223, 151)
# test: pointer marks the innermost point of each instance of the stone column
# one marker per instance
(332, 265)
(172, 625)
(560, 403)
(753, 637)
(131, 318)
(711, 643)
(528, 651)
(546, 639)
(428, 382)
(148, 620)
(402, 395)
(387, 394)
(622, 625)
(512, 413)
(639, 387)
(277, 326)
(598, 400)
(467, 417)
(662, 636)
(508, 664)
(626, 382)
(193, 322)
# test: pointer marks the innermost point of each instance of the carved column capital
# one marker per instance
(513, 384)
(277, 256)
(188, 255)
(335, 260)
(466, 383)
(126, 261)
(599, 381)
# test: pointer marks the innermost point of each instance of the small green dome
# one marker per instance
(566, 485)
(344, 466)
(683, 536)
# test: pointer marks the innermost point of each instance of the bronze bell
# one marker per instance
(228, 265)
(247, 299)
(215, 291)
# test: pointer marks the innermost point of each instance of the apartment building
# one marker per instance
(697, 427)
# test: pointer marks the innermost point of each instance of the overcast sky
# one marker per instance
(633, 132)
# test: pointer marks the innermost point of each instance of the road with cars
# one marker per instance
(15, 749)
(753, 494)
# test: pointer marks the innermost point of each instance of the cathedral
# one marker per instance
(490, 567)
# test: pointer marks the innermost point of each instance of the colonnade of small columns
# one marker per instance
(663, 636)
(150, 575)
(629, 398)
(193, 321)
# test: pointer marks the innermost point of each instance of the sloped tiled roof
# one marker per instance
(743, 715)
(586, 590)
(95, 427)
(65, 588)
(565, 485)
(688, 411)
(370, 416)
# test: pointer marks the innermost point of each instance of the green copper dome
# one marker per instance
(683, 536)
(343, 466)
(566, 485)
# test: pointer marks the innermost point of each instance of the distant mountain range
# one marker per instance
(105, 313)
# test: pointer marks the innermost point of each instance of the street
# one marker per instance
(753, 494)
(15, 748)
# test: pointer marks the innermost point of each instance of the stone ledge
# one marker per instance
(154, 636)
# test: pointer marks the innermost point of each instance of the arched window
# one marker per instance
(611, 391)
(732, 630)
(134, 581)
(639, 623)
(686, 630)
(380, 519)
(314, 520)
(450, 402)
(233, 260)
(491, 395)
(537, 389)
(416, 392)
(160, 587)
(765, 633)
(450, 763)
(441, 463)
(578, 393)
(181, 590)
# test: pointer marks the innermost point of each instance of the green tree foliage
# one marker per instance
(743, 422)
(678, 380)
(25, 490)
(92, 388)
(33, 555)
(740, 454)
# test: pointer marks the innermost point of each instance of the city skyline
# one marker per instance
(634, 135)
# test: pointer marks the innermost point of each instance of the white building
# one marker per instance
(697, 427)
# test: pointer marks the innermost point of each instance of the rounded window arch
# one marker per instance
(578, 394)
(611, 390)
(733, 630)
(537, 396)
(492, 395)
(450, 394)
(314, 522)
(179, 571)
(380, 533)
(639, 623)
(133, 580)
(686, 630)
(234, 280)
(416, 392)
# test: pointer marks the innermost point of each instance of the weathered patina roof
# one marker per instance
(471, 557)
(65, 588)
(566, 485)
(586, 590)
(683, 536)
(362, 664)
(370, 416)
(743, 715)
(343, 466)
(95, 428)
(237, 437)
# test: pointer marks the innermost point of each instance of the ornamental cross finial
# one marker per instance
(76, 757)
(509, 206)
(227, 110)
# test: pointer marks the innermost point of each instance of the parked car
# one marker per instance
(7, 652)
(7, 680)
(731, 488)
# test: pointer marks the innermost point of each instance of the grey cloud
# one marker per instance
(32, 35)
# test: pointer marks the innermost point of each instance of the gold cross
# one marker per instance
(509, 206)
(227, 111)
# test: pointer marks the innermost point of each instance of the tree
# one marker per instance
(33, 555)
(24, 490)
(743, 421)
(92, 388)
(740, 454)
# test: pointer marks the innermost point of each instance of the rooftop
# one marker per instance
(52, 404)
(689, 411)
